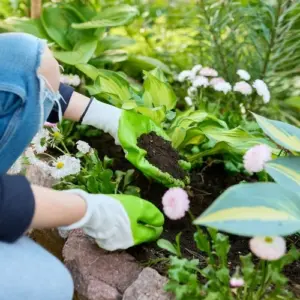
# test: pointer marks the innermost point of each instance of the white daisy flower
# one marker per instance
(216, 80)
(243, 74)
(200, 81)
(196, 69)
(33, 160)
(268, 248)
(209, 72)
(262, 90)
(65, 165)
(192, 91)
(188, 101)
(243, 87)
(83, 147)
(224, 87)
(185, 75)
(39, 142)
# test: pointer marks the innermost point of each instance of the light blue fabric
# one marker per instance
(25, 102)
(29, 272)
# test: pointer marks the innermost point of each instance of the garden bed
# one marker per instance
(207, 183)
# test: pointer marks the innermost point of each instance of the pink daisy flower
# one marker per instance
(256, 157)
(268, 248)
(175, 203)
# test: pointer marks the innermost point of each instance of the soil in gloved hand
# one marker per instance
(161, 154)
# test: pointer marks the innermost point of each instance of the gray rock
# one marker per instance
(148, 286)
(39, 177)
(98, 274)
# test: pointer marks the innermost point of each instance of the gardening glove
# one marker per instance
(118, 221)
(126, 127)
(103, 116)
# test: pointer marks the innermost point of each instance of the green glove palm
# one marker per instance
(119, 221)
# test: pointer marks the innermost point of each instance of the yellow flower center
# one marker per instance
(57, 135)
(268, 240)
(60, 165)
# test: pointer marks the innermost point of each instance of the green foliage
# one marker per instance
(190, 279)
(263, 208)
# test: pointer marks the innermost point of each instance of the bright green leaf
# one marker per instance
(118, 15)
(164, 244)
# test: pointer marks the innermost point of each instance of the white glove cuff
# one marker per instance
(87, 215)
(103, 116)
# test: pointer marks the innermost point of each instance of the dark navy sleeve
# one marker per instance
(66, 92)
(17, 206)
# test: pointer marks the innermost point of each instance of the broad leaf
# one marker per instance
(31, 26)
(57, 20)
(113, 42)
(257, 209)
(146, 63)
(109, 56)
(286, 135)
(118, 15)
(156, 114)
(81, 54)
(286, 172)
(89, 70)
(157, 91)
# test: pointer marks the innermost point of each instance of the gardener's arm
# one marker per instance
(23, 206)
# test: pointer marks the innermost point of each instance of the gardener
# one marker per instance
(29, 92)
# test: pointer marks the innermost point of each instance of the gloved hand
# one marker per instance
(118, 221)
(126, 127)
(103, 116)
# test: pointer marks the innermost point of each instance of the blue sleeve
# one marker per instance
(66, 92)
(17, 207)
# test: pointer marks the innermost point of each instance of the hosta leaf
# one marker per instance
(286, 172)
(157, 91)
(81, 54)
(286, 135)
(257, 209)
(156, 114)
(118, 15)
(31, 26)
(113, 42)
(60, 30)
(146, 63)
(109, 56)
(89, 70)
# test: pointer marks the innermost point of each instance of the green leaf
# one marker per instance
(156, 114)
(259, 209)
(164, 244)
(113, 42)
(132, 190)
(31, 26)
(247, 267)
(128, 177)
(293, 102)
(286, 172)
(146, 63)
(60, 30)
(89, 70)
(109, 57)
(118, 15)
(82, 53)
(223, 275)
(286, 135)
(202, 241)
(129, 105)
(157, 91)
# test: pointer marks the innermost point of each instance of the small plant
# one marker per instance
(212, 277)
(191, 279)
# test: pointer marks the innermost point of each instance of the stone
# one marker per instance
(39, 177)
(148, 286)
(98, 274)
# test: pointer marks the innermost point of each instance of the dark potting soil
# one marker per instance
(206, 185)
(161, 154)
